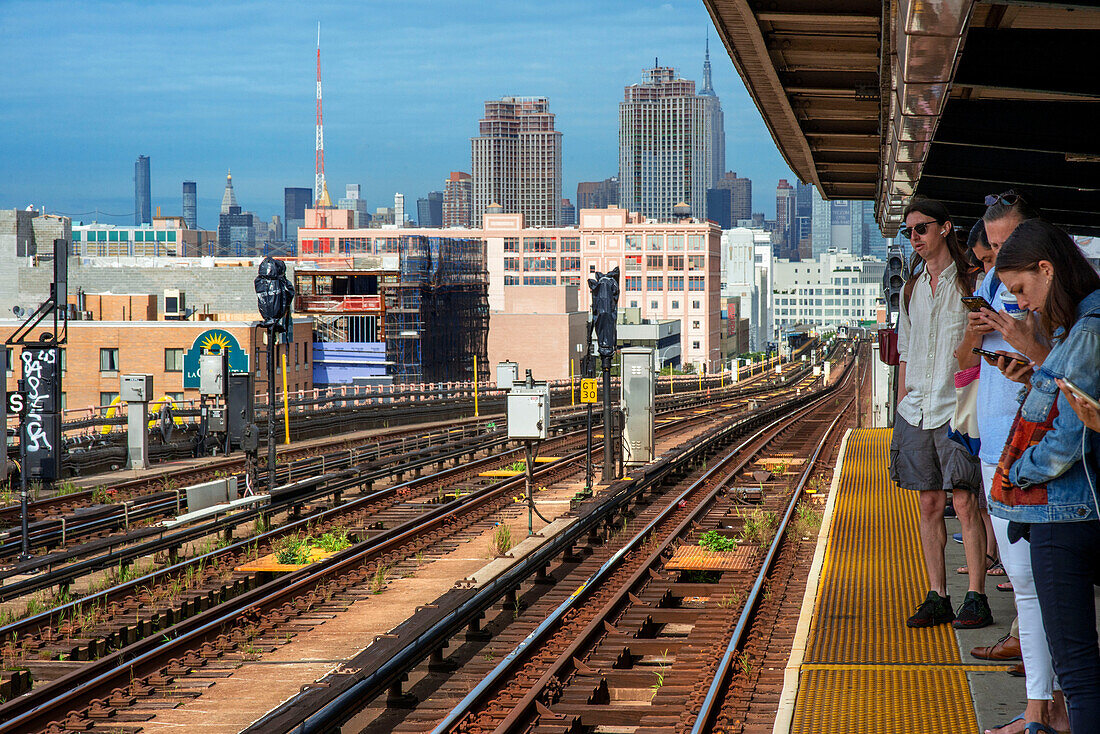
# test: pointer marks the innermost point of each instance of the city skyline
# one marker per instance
(401, 97)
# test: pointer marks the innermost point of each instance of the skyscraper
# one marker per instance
(568, 213)
(458, 200)
(715, 116)
(732, 199)
(668, 144)
(399, 209)
(236, 233)
(429, 210)
(295, 203)
(784, 217)
(803, 213)
(598, 194)
(143, 207)
(517, 161)
(356, 204)
(190, 205)
(822, 225)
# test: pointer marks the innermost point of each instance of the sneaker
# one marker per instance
(935, 609)
(957, 537)
(974, 612)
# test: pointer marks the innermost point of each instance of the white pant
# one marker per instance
(1016, 558)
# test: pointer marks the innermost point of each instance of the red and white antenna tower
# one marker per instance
(320, 188)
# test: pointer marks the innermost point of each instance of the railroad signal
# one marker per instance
(893, 280)
(589, 390)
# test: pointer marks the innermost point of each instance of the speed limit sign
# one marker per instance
(588, 390)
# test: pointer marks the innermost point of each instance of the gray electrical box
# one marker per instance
(639, 387)
(215, 420)
(507, 373)
(529, 411)
(211, 377)
(135, 388)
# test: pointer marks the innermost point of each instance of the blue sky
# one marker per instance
(202, 87)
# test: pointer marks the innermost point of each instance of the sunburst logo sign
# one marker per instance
(212, 341)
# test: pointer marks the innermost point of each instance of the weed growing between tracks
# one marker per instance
(712, 540)
(501, 541)
(759, 527)
(378, 581)
(806, 521)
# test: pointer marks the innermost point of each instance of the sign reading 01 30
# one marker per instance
(588, 390)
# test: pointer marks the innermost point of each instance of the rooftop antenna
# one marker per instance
(320, 189)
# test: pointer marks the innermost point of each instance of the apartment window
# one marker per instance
(675, 305)
(7, 358)
(674, 242)
(696, 242)
(591, 267)
(511, 263)
(570, 263)
(633, 304)
(696, 324)
(654, 283)
(173, 360)
(540, 264)
(511, 280)
(675, 262)
(570, 244)
(591, 243)
(695, 345)
(305, 353)
(696, 262)
(540, 280)
(675, 282)
(106, 398)
(696, 283)
(539, 244)
(511, 244)
(653, 305)
(175, 397)
(633, 242)
(297, 353)
(108, 360)
(655, 261)
(632, 283)
(653, 242)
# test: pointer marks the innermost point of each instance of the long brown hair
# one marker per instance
(965, 273)
(1035, 240)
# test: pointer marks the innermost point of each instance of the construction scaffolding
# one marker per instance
(437, 314)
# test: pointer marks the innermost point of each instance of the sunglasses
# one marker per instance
(920, 229)
(1008, 198)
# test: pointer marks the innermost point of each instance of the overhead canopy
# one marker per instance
(951, 99)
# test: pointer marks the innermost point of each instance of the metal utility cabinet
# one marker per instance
(529, 411)
(639, 389)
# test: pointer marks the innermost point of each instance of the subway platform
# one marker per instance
(855, 666)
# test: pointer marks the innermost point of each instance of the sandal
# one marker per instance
(1035, 727)
(993, 567)
(1004, 586)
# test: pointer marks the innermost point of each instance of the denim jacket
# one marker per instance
(1057, 458)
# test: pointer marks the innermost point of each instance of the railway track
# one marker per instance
(630, 645)
(54, 637)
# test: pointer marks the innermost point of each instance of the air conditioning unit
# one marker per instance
(173, 304)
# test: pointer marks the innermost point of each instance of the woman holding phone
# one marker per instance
(1048, 490)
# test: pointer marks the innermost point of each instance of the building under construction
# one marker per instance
(428, 303)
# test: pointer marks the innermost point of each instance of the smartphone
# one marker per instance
(994, 355)
(1081, 394)
(976, 303)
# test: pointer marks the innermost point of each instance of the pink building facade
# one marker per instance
(669, 270)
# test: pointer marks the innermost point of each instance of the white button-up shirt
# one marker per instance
(929, 330)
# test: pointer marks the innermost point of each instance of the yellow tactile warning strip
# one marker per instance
(864, 670)
(694, 558)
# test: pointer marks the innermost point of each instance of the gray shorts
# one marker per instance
(926, 459)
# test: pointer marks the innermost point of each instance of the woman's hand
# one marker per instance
(1020, 333)
(1009, 365)
(976, 325)
(1089, 415)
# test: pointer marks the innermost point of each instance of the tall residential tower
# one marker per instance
(517, 161)
(671, 144)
